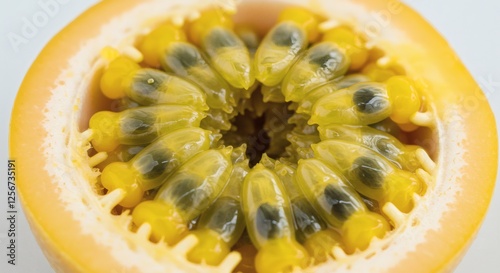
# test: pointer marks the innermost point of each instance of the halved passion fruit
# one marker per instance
(268, 136)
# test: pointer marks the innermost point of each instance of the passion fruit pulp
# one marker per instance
(439, 136)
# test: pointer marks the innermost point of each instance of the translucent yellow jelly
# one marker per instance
(370, 173)
(223, 223)
(385, 144)
(269, 222)
(150, 168)
(362, 103)
(339, 204)
(320, 63)
(186, 61)
(140, 125)
(310, 228)
(280, 47)
(213, 31)
(150, 86)
(306, 103)
(185, 195)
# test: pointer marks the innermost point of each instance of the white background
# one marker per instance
(471, 27)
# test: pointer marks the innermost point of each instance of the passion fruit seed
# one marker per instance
(150, 86)
(141, 125)
(316, 196)
(185, 60)
(185, 195)
(281, 46)
(150, 167)
(320, 63)
(339, 202)
(226, 51)
(404, 156)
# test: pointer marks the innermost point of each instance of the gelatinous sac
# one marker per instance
(167, 46)
(351, 42)
(283, 43)
(320, 63)
(150, 168)
(140, 125)
(339, 204)
(213, 31)
(223, 223)
(370, 173)
(367, 103)
(269, 222)
(305, 104)
(146, 86)
(189, 191)
(362, 103)
(310, 229)
(186, 61)
(403, 156)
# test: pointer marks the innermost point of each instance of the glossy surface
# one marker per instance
(185, 195)
(150, 168)
(140, 125)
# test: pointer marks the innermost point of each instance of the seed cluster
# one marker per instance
(292, 139)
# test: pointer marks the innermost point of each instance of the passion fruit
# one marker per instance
(394, 205)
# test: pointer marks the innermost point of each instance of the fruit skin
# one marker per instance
(448, 85)
(59, 236)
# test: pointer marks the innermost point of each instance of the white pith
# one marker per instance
(71, 173)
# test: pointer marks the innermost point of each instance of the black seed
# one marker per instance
(222, 216)
(268, 221)
(189, 195)
(339, 201)
(327, 57)
(137, 122)
(219, 37)
(184, 56)
(387, 148)
(182, 187)
(146, 85)
(307, 221)
(154, 163)
(368, 171)
(367, 101)
(287, 35)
